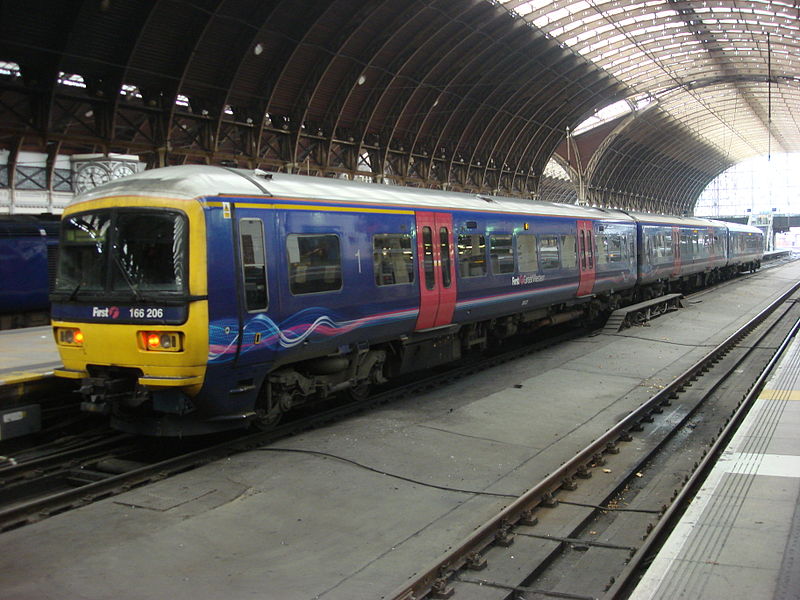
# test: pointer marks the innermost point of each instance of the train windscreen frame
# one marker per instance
(130, 254)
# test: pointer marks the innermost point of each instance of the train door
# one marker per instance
(586, 252)
(676, 251)
(250, 233)
(437, 281)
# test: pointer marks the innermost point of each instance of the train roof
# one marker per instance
(27, 225)
(673, 220)
(197, 181)
(740, 228)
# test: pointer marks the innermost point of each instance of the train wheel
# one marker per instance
(268, 409)
(359, 392)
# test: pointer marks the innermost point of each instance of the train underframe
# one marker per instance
(357, 372)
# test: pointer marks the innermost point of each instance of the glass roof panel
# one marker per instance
(675, 52)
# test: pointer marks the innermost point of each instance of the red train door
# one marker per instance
(586, 261)
(437, 282)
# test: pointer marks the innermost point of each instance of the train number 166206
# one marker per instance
(147, 313)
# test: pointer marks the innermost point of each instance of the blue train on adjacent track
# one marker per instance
(28, 248)
(193, 299)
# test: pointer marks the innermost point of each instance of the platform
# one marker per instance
(352, 510)
(740, 537)
(27, 359)
(27, 354)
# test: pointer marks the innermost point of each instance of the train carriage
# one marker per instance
(192, 299)
(745, 247)
(679, 252)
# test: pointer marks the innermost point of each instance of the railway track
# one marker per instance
(97, 468)
(588, 529)
(37, 489)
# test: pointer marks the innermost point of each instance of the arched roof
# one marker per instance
(722, 80)
(474, 95)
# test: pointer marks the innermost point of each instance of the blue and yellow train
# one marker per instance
(193, 299)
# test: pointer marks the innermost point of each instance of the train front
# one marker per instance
(129, 308)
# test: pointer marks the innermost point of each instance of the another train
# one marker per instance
(28, 249)
(194, 299)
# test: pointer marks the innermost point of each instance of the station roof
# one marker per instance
(472, 95)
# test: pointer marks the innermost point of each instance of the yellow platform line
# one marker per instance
(779, 395)
(17, 377)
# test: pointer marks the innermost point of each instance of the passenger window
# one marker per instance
(444, 252)
(584, 264)
(667, 245)
(314, 263)
(548, 251)
(427, 257)
(502, 254)
(614, 248)
(603, 252)
(471, 255)
(569, 252)
(686, 245)
(392, 259)
(254, 270)
(527, 256)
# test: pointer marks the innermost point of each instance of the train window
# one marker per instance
(584, 264)
(471, 255)
(548, 252)
(686, 245)
(502, 254)
(427, 257)
(527, 256)
(315, 263)
(444, 253)
(603, 252)
(254, 264)
(150, 250)
(613, 249)
(124, 251)
(752, 243)
(569, 252)
(392, 259)
(83, 248)
(667, 245)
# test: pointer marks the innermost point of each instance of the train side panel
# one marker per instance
(27, 254)
(615, 256)
(297, 273)
(492, 283)
(330, 293)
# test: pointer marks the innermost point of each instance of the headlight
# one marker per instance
(161, 341)
(69, 336)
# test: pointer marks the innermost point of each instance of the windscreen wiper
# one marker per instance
(127, 278)
(75, 291)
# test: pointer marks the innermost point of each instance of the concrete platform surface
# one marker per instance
(352, 510)
(27, 354)
(740, 537)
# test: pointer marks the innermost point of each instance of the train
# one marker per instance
(28, 250)
(194, 299)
